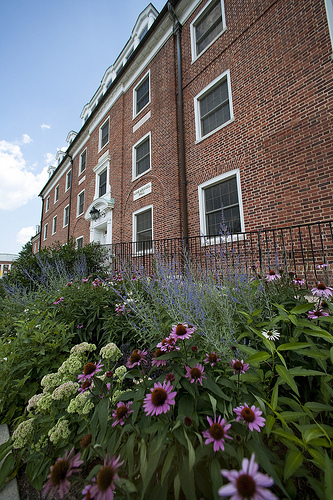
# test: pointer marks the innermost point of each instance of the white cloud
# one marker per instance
(26, 139)
(49, 158)
(44, 126)
(17, 184)
(24, 234)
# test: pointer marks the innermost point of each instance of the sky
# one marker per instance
(53, 55)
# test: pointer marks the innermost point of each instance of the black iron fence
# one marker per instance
(298, 249)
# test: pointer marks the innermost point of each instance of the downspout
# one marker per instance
(41, 220)
(177, 28)
(70, 199)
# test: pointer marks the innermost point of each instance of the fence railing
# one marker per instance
(296, 249)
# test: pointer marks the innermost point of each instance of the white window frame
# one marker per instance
(54, 224)
(193, 24)
(56, 193)
(100, 134)
(65, 225)
(136, 113)
(206, 90)
(45, 231)
(47, 204)
(76, 242)
(329, 14)
(134, 225)
(80, 168)
(78, 203)
(68, 183)
(104, 163)
(134, 151)
(202, 207)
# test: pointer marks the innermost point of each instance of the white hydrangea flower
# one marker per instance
(59, 431)
(50, 381)
(111, 352)
(22, 433)
(71, 367)
(44, 403)
(65, 390)
(83, 347)
(81, 404)
(120, 372)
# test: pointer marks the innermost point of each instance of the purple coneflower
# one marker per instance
(136, 358)
(89, 370)
(86, 492)
(271, 334)
(160, 399)
(239, 366)
(321, 265)
(272, 275)
(251, 416)
(247, 483)
(85, 386)
(80, 325)
(182, 331)
(321, 290)
(211, 358)
(298, 281)
(57, 302)
(195, 374)
(122, 411)
(106, 477)
(60, 472)
(170, 377)
(168, 344)
(317, 314)
(158, 362)
(217, 432)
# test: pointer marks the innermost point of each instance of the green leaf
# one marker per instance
(287, 378)
(259, 357)
(293, 346)
(318, 407)
(245, 348)
(209, 384)
(294, 460)
(312, 433)
(328, 477)
(7, 468)
(301, 308)
(319, 333)
(288, 435)
(191, 452)
(270, 421)
(275, 397)
(303, 372)
(176, 486)
(167, 463)
(213, 402)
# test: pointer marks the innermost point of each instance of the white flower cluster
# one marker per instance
(50, 381)
(111, 352)
(22, 433)
(44, 403)
(65, 390)
(32, 403)
(120, 372)
(82, 348)
(59, 431)
(70, 366)
(81, 404)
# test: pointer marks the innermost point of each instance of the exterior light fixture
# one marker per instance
(94, 213)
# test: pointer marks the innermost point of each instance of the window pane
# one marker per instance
(102, 183)
(209, 26)
(144, 231)
(143, 157)
(222, 207)
(83, 161)
(142, 95)
(105, 134)
(81, 203)
(214, 108)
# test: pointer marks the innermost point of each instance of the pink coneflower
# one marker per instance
(321, 265)
(251, 416)
(239, 366)
(85, 386)
(158, 362)
(122, 411)
(160, 399)
(248, 483)
(80, 325)
(136, 358)
(195, 374)
(298, 281)
(182, 331)
(89, 370)
(60, 472)
(168, 344)
(57, 302)
(211, 359)
(170, 377)
(106, 477)
(86, 492)
(217, 432)
(317, 314)
(321, 290)
(272, 275)
(70, 283)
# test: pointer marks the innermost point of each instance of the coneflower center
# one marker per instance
(248, 415)
(105, 477)
(135, 357)
(272, 273)
(89, 368)
(86, 384)
(321, 286)
(158, 353)
(246, 486)
(238, 365)
(195, 373)
(212, 357)
(121, 412)
(85, 441)
(181, 330)
(158, 396)
(216, 431)
(59, 471)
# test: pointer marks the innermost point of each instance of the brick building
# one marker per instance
(211, 104)
(6, 261)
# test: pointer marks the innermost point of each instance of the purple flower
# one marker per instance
(89, 371)
(136, 358)
(70, 283)
(247, 483)
(80, 325)
(211, 358)
(195, 374)
(158, 362)
(239, 366)
(86, 492)
(321, 265)
(298, 281)
(60, 472)
(317, 314)
(106, 477)
(182, 331)
(85, 386)
(160, 399)
(122, 411)
(321, 290)
(272, 275)
(217, 432)
(251, 416)
(57, 302)
(168, 344)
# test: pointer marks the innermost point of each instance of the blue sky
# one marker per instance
(53, 55)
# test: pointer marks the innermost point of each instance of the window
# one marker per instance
(220, 205)
(141, 95)
(45, 231)
(56, 194)
(54, 225)
(141, 157)
(207, 26)
(329, 13)
(68, 179)
(213, 107)
(79, 242)
(143, 32)
(83, 161)
(47, 206)
(80, 203)
(104, 134)
(66, 216)
(102, 183)
(143, 229)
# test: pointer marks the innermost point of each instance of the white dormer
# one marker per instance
(60, 155)
(70, 137)
(50, 170)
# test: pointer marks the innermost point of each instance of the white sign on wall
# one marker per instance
(142, 191)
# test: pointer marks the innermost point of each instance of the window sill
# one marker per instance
(207, 241)
(200, 139)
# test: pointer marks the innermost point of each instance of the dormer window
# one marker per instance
(143, 32)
